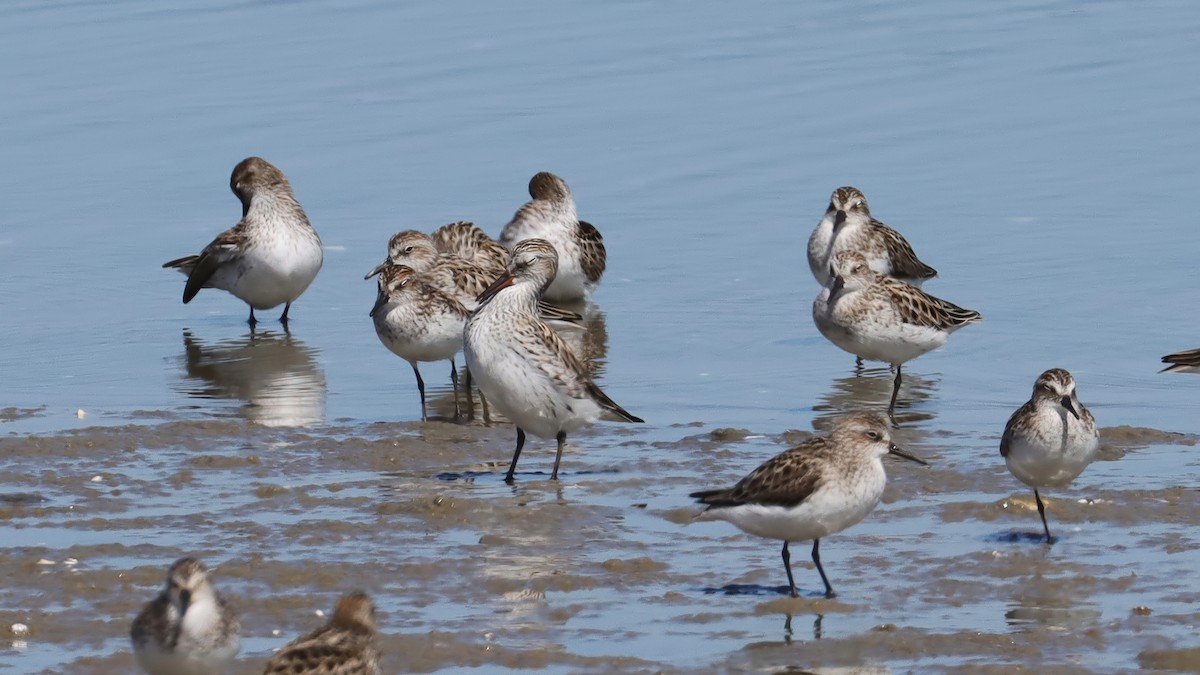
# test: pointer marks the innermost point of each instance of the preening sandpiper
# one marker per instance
(848, 226)
(188, 629)
(270, 257)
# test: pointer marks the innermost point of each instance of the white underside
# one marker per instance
(417, 338)
(1052, 453)
(274, 272)
(878, 335)
(518, 388)
(833, 508)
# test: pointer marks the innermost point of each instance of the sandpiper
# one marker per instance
(848, 226)
(270, 257)
(883, 319)
(1051, 439)
(551, 216)
(418, 322)
(819, 487)
(521, 365)
(344, 646)
(188, 629)
(1182, 362)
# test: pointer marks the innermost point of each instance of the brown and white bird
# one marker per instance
(880, 318)
(344, 646)
(270, 257)
(1051, 439)
(188, 629)
(551, 216)
(418, 322)
(848, 226)
(522, 365)
(815, 489)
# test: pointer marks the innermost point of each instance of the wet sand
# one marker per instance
(601, 572)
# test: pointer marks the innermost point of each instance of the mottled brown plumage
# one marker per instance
(344, 646)
(1182, 362)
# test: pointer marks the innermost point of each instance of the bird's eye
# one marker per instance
(873, 435)
(858, 204)
(408, 249)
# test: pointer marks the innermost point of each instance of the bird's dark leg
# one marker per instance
(512, 468)
(1042, 513)
(420, 388)
(858, 365)
(817, 561)
(562, 439)
(787, 566)
(252, 321)
(454, 384)
(283, 317)
(470, 396)
(895, 391)
(483, 406)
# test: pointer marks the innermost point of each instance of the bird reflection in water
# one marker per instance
(274, 375)
(871, 389)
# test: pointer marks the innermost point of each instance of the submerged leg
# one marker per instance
(562, 439)
(787, 566)
(420, 388)
(895, 392)
(283, 317)
(858, 365)
(252, 321)
(454, 384)
(817, 561)
(512, 468)
(1042, 513)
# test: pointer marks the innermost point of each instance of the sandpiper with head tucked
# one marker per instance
(551, 216)
(815, 489)
(270, 257)
(848, 226)
(344, 646)
(882, 319)
(521, 365)
(188, 629)
(1051, 439)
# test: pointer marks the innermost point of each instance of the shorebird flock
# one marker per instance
(507, 303)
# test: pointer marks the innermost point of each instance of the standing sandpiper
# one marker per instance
(848, 226)
(1051, 439)
(819, 487)
(883, 319)
(270, 257)
(522, 366)
(551, 216)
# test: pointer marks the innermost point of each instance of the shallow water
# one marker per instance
(1039, 154)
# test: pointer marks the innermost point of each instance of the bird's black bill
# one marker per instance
(894, 450)
(839, 218)
(838, 284)
(1066, 403)
(376, 269)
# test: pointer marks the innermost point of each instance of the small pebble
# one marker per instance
(80, 413)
